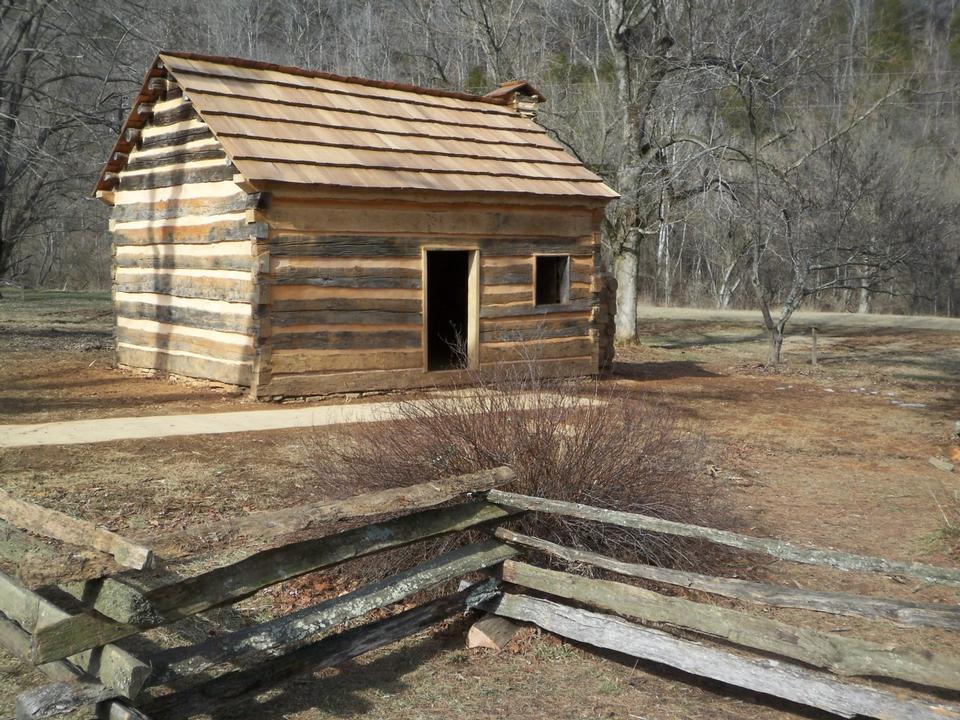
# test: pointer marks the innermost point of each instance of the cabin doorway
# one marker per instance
(450, 313)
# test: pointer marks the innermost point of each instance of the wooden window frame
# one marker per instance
(564, 291)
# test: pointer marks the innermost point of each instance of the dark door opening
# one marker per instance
(448, 299)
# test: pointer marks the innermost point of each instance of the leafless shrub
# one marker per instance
(568, 440)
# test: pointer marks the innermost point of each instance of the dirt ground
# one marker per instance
(835, 455)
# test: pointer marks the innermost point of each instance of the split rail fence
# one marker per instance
(88, 636)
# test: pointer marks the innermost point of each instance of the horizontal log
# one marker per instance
(530, 310)
(325, 361)
(226, 289)
(177, 137)
(178, 113)
(110, 664)
(518, 274)
(329, 652)
(209, 233)
(370, 302)
(53, 524)
(349, 340)
(177, 315)
(284, 245)
(775, 548)
(172, 260)
(321, 384)
(452, 220)
(347, 316)
(543, 329)
(267, 525)
(839, 654)
(234, 582)
(204, 368)
(770, 677)
(283, 634)
(178, 176)
(175, 157)
(901, 612)
(347, 277)
(184, 207)
(181, 342)
(539, 350)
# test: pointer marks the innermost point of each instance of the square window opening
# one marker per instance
(552, 279)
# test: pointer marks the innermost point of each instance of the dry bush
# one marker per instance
(567, 440)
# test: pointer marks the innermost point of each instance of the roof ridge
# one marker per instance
(303, 72)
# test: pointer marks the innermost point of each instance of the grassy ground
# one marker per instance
(835, 455)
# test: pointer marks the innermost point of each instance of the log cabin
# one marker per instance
(299, 233)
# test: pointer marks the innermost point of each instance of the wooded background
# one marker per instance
(767, 153)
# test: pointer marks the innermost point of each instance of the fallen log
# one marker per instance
(59, 526)
(234, 582)
(775, 548)
(331, 651)
(282, 634)
(901, 612)
(771, 677)
(842, 655)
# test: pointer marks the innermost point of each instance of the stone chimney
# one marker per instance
(523, 96)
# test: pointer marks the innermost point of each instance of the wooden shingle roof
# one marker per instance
(286, 125)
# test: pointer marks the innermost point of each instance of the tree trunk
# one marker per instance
(627, 264)
(776, 345)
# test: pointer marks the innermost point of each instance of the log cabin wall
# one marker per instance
(184, 252)
(344, 291)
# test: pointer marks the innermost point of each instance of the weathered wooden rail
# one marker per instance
(88, 648)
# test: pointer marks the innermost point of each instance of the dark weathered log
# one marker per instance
(343, 246)
(265, 526)
(179, 261)
(354, 316)
(176, 138)
(400, 277)
(221, 231)
(842, 655)
(241, 579)
(901, 612)
(170, 209)
(544, 330)
(51, 523)
(349, 340)
(174, 158)
(771, 677)
(328, 652)
(285, 633)
(176, 114)
(776, 548)
(286, 311)
(180, 176)
(177, 315)
(501, 311)
(228, 290)
(59, 698)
